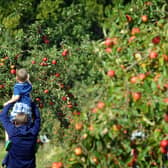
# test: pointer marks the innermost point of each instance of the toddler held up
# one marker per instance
(21, 95)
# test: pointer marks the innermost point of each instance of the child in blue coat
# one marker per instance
(21, 94)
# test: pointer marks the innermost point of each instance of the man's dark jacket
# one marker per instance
(24, 138)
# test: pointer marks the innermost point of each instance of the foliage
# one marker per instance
(105, 100)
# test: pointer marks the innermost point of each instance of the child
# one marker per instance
(21, 95)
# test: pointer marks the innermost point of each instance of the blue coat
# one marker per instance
(23, 90)
(24, 138)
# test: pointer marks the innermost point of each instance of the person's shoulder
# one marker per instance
(27, 83)
(23, 83)
(18, 84)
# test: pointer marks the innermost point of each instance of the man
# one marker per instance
(23, 137)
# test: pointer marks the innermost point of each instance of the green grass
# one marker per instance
(2, 151)
(46, 155)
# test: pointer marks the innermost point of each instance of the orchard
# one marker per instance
(99, 71)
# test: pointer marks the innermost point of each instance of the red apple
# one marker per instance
(165, 57)
(39, 141)
(166, 117)
(156, 40)
(153, 54)
(91, 127)
(45, 59)
(54, 62)
(144, 18)
(163, 150)
(154, 163)
(46, 91)
(78, 126)
(61, 85)
(119, 49)
(33, 62)
(136, 96)
(69, 105)
(156, 77)
(142, 76)
(129, 18)
(134, 79)
(57, 165)
(131, 39)
(135, 30)
(41, 105)
(108, 50)
(114, 40)
(111, 73)
(148, 3)
(45, 64)
(165, 100)
(64, 98)
(37, 99)
(46, 41)
(57, 75)
(94, 110)
(116, 127)
(78, 151)
(165, 85)
(44, 37)
(108, 42)
(100, 105)
(60, 164)
(6, 57)
(122, 66)
(1, 86)
(51, 103)
(70, 95)
(164, 143)
(42, 64)
(95, 160)
(65, 52)
(13, 71)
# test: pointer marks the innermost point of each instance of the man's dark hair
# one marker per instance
(21, 119)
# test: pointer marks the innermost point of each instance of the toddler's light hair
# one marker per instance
(21, 75)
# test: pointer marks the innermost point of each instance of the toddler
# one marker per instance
(21, 95)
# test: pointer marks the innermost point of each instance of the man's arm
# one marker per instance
(4, 119)
(36, 125)
(5, 110)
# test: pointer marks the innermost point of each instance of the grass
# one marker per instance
(46, 155)
(2, 152)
